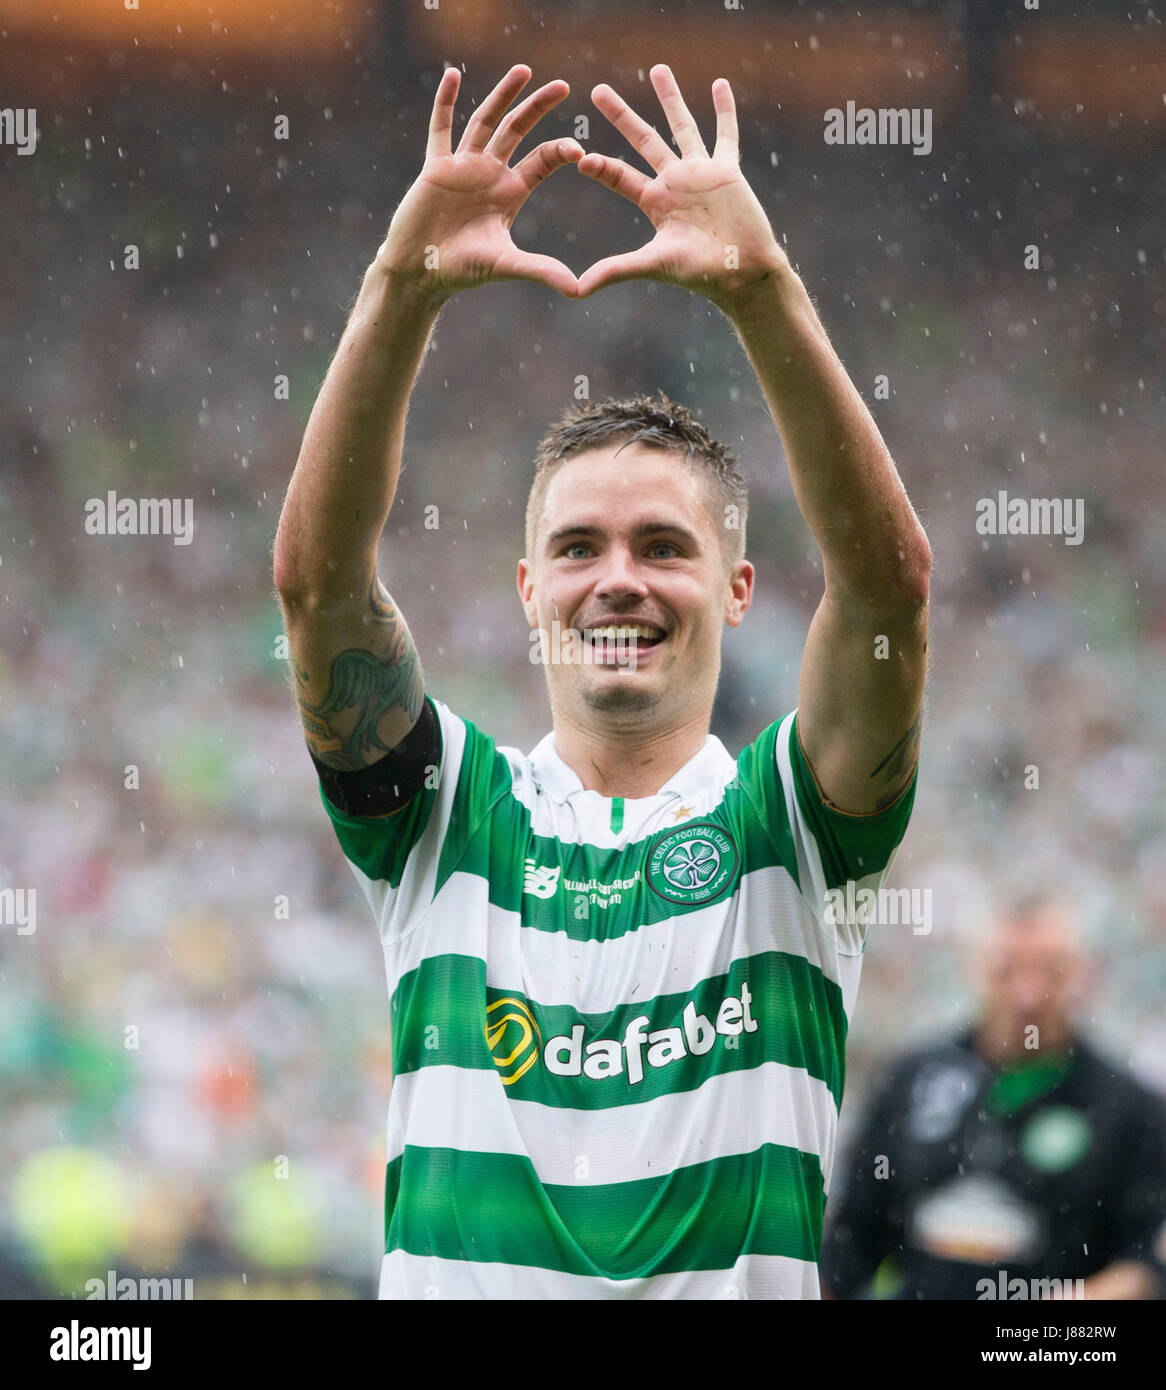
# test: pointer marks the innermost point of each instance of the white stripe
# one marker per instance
(405, 1276)
(811, 876)
(731, 1113)
(849, 940)
(668, 957)
(398, 912)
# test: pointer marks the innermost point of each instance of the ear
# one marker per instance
(740, 592)
(526, 591)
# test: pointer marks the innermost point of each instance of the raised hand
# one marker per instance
(452, 229)
(712, 234)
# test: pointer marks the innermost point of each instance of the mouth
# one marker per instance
(623, 644)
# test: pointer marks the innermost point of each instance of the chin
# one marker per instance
(617, 695)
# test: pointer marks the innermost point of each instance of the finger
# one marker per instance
(545, 270)
(441, 120)
(522, 120)
(647, 143)
(481, 124)
(615, 174)
(684, 128)
(544, 159)
(728, 144)
(613, 270)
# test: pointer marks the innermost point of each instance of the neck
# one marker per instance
(629, 762)
(1004, 1040)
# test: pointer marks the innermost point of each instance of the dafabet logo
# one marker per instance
(515, 1040)
(511, 1033)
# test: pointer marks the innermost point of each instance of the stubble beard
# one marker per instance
(620, 698)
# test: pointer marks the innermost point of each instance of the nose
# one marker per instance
(621, 575)
(1031, 990)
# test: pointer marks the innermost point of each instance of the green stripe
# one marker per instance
(488, 1208)
(439, 1019)
(489, 834)
(851, 847)
(505, 840)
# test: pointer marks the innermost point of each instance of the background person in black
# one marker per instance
(989, 1158)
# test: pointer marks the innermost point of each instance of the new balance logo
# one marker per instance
(540, 882)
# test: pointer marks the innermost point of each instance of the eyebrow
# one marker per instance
(645, 528)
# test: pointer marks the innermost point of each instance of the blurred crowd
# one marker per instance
(194, 1056)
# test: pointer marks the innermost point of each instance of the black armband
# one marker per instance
(393, 780)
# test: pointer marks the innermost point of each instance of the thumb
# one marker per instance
(613, 270)
(546, 270)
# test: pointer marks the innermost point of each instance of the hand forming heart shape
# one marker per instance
(452, 229)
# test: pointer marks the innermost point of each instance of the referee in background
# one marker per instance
(1012, 1161)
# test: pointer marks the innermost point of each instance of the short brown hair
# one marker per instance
(658, 423)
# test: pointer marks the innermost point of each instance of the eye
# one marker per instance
(576, 545)
(664, 545)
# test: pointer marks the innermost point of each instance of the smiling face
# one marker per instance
(628, 553)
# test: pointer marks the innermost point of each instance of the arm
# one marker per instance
(863, 669)
(358, 678)
(1134, 1208)
(357, 673)
(1124, 1279)
(859, 714)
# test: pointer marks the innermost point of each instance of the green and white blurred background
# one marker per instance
(192, 1082)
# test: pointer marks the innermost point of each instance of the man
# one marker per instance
(1013, 1162)
(618, 1012)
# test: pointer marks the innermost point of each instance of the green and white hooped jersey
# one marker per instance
(618, 1026)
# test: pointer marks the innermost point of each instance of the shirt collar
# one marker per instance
(555, 779)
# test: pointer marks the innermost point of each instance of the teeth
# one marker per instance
(622, 634)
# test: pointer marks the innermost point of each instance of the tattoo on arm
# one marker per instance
(341, 729)
(895, 767)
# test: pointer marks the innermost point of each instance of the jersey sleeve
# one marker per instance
(828, 847)
(399, 857)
